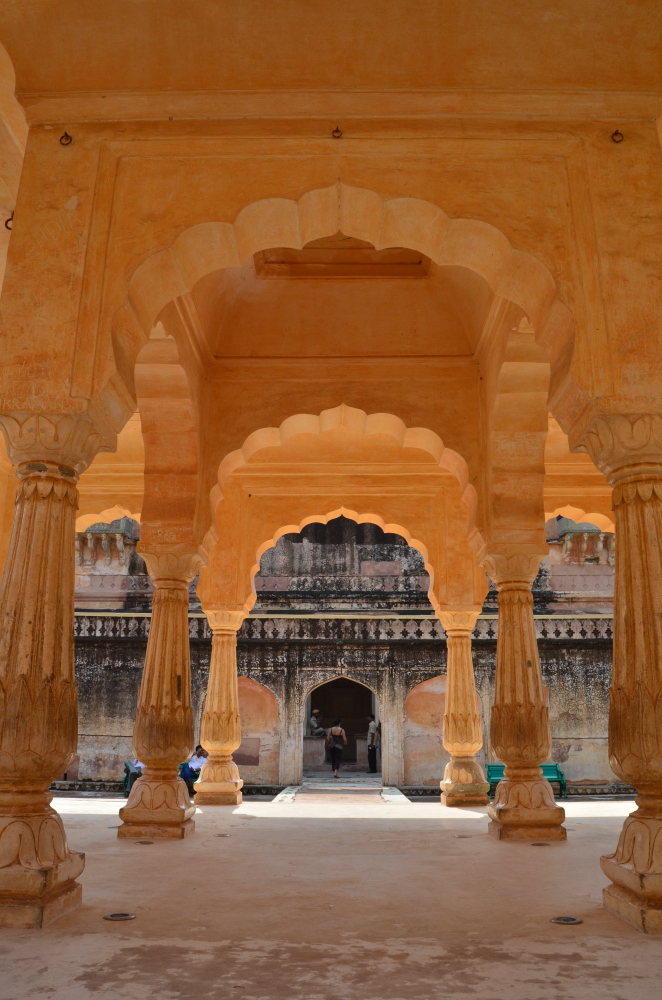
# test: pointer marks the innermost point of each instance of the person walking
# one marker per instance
(372, 745)
(335, 742)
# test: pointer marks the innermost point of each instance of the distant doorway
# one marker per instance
(352, 702)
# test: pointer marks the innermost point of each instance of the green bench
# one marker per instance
(552, 772)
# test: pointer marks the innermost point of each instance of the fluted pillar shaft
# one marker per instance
(628, 449)
(38, 701)
(464, 782)
(159, 803)
(524, 806)
(220, 734)
(39, 720)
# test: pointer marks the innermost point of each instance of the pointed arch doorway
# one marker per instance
(352, 702)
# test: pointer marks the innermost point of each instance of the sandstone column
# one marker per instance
(159, 803)
(524, 806)
(464, 782)
(38, 704)
(220, 734)
(628, 449)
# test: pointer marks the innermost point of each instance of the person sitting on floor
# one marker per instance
(189, 776)
(198, 759)
(133, 770)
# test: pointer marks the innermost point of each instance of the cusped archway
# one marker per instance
(512, 275)
(343, 463)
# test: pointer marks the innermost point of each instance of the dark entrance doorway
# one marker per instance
(350, 701)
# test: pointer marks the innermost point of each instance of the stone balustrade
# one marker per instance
(136, 628)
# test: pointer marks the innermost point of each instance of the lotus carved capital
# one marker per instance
(458, 623)
(171, 566)
(625, 445)
(517, 571)
(223, 622)
(69, 440)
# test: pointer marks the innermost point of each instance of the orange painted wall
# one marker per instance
(260, 733)
(425, 757)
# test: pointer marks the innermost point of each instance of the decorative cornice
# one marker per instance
(625, 446)
(449, 104)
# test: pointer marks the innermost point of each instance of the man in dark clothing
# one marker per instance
(372, 744)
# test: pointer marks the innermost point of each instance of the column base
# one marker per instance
(464, 783)
(35, 897)
(157, 809)
(524, 808)
(633, 909)
(635, 868)
(219, 799)
(219, 784)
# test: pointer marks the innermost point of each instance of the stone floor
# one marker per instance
(334, 895)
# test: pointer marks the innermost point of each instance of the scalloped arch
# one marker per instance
(358, 421)
(385, 222)
(366, 518)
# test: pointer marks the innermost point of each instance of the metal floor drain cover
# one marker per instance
(223, 835)
(462, 836)
(113, 827)
(144, 842)
(566, 920)
(120, 916)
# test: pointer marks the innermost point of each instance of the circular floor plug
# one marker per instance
(566, 920)
(221, 834)
(462, 836)
(144, 842)
(120, 916)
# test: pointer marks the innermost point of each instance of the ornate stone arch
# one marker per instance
(513, 275)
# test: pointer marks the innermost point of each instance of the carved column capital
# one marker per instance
(223, 622)
(624, 446)
(169, 566)
(512, 572)
(458, 623)
(67, 440)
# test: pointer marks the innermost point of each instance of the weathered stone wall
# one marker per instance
(291, 656)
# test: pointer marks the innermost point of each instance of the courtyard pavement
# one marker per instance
(336, 895)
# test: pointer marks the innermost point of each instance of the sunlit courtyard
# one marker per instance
(337, 893)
